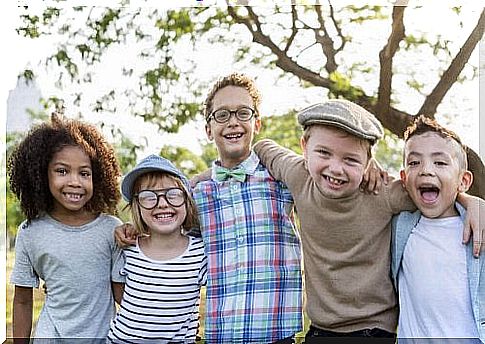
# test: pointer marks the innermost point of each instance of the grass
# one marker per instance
(39, 301)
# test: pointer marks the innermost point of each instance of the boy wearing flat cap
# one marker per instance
(345, 233)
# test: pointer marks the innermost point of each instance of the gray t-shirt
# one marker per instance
(77, 265)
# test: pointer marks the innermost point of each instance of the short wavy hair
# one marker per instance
(238, 80)
(27, 166)
(423, 124)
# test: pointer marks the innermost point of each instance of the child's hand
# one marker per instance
(125, 235)
(201, 177)
(374, 176)
(475, 223)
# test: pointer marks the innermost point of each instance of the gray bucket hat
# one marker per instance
(345, 115)
(149, 164)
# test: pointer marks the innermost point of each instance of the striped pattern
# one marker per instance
(161, 299)
(254, 288)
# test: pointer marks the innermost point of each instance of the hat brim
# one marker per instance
(342, 126)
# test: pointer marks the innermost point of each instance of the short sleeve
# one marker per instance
(203, 271)
(23, 273)
(118, 261)
(399, 199)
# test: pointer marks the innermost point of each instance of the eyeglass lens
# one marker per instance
(242, 114)
(149, 199)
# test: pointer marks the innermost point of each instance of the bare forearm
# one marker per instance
(22, 320)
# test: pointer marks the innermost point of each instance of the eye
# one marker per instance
(441, 163)
(323, 152)
(352, 161)
(61, 171)
(85, 173)
(413, 163)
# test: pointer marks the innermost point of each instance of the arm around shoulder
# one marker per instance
(279, 161)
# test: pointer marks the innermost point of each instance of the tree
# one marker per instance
(313, 45)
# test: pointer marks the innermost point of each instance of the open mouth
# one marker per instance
(164, 217)
(334, 181)
(429, 194)
(73, 197)
(233, 137)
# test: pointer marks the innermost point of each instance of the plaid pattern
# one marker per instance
(254, 283)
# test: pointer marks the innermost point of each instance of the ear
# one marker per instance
(466, 181)
(303, 145)
(257, 125)
(208, 131)
(402, 174)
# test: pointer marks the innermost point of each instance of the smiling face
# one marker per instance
(70, 182)
(336, 160)
(164, 219)
(233, 138)
(434, 173)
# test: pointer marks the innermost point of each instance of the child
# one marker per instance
(345, 233)
(165, 269)
(441, 286)
(254, 286)
(65, 175)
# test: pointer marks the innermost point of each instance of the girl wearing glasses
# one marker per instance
(167, 266)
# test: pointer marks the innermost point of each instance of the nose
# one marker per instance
(162, 201)
(74, 180)
(233, 121)
(335, 166)
(426, 169)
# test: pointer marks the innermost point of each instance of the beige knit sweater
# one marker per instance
(346, 246)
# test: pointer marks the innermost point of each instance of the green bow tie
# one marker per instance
(223, 173)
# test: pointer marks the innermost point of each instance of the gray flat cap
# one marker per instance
(345, 115)
(149, 164)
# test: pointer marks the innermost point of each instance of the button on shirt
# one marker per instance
(254, 287)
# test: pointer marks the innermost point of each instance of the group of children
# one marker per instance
(234, 232)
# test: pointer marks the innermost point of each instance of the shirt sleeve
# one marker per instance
(283, 164)
(203, 272)
(23, 273)
(399, 199)
(117, 259)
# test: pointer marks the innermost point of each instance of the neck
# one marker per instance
(73, 219)
(162, 247)
(233, 162)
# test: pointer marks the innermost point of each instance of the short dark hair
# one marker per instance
(423, 124)
(27, 166)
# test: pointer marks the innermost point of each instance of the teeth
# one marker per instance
(163, 216)
(233, 136)
(335, 181)
(73, 196)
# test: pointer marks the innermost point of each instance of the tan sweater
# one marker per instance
(346, 245)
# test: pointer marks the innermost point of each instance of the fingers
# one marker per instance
(125, 235)
(467, 231)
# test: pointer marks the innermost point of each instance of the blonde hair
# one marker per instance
(191, 223)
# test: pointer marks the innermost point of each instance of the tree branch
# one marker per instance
(283, 61)
(325, 42)
(386, 56)
(294, 30)
(337, 28)
(450, 76)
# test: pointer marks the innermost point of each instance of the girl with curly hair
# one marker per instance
(65, 175)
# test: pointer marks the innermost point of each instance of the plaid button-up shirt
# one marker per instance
(254, 282)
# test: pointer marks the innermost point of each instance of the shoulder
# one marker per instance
(109, 220)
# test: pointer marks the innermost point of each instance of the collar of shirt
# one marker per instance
(248, 166)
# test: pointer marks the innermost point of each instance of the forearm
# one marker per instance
(22, 316)
(117, 291)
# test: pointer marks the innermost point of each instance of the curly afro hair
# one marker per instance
(27, 166)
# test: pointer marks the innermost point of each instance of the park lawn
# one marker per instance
(39, 301)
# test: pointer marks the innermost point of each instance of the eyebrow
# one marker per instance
(61, 163)
(434, 154)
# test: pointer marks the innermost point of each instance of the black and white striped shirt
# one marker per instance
(161, 298)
